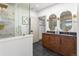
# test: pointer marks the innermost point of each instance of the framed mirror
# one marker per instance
(52, 21)
(66, 20)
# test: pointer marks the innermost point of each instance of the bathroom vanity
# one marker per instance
(63, 44)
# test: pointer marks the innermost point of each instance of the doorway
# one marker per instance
(42, 26)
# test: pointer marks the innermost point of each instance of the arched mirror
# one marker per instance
(52, 21)
(66, 20)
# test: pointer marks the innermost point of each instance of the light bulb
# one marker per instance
(0, 8)
(3, 9)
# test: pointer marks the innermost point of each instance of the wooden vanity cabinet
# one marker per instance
(54, 42)
(45, 42)
(65, 45)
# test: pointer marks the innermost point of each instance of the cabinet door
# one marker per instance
(67, 45)
(46, 40)
(54, 42)
(57, 43)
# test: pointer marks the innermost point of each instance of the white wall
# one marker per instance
(78, 30)
(17, 46)
(34, 25)
(58, 9)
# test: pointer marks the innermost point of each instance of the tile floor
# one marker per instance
(39, 50)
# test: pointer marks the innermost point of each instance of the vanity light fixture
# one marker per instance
(58, 18)
(74, 16)
(3, 6)
(0, 8)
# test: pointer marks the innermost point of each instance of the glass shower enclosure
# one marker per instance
(14, 19)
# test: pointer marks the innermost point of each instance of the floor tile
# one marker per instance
(39, 50)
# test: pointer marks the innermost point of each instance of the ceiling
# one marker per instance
(36, 6)
(40, 6)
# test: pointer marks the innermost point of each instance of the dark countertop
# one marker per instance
(61, 34)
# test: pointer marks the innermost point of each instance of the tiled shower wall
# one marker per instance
(12, 19)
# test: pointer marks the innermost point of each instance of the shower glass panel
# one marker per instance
(14, 19)
(22, 19)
